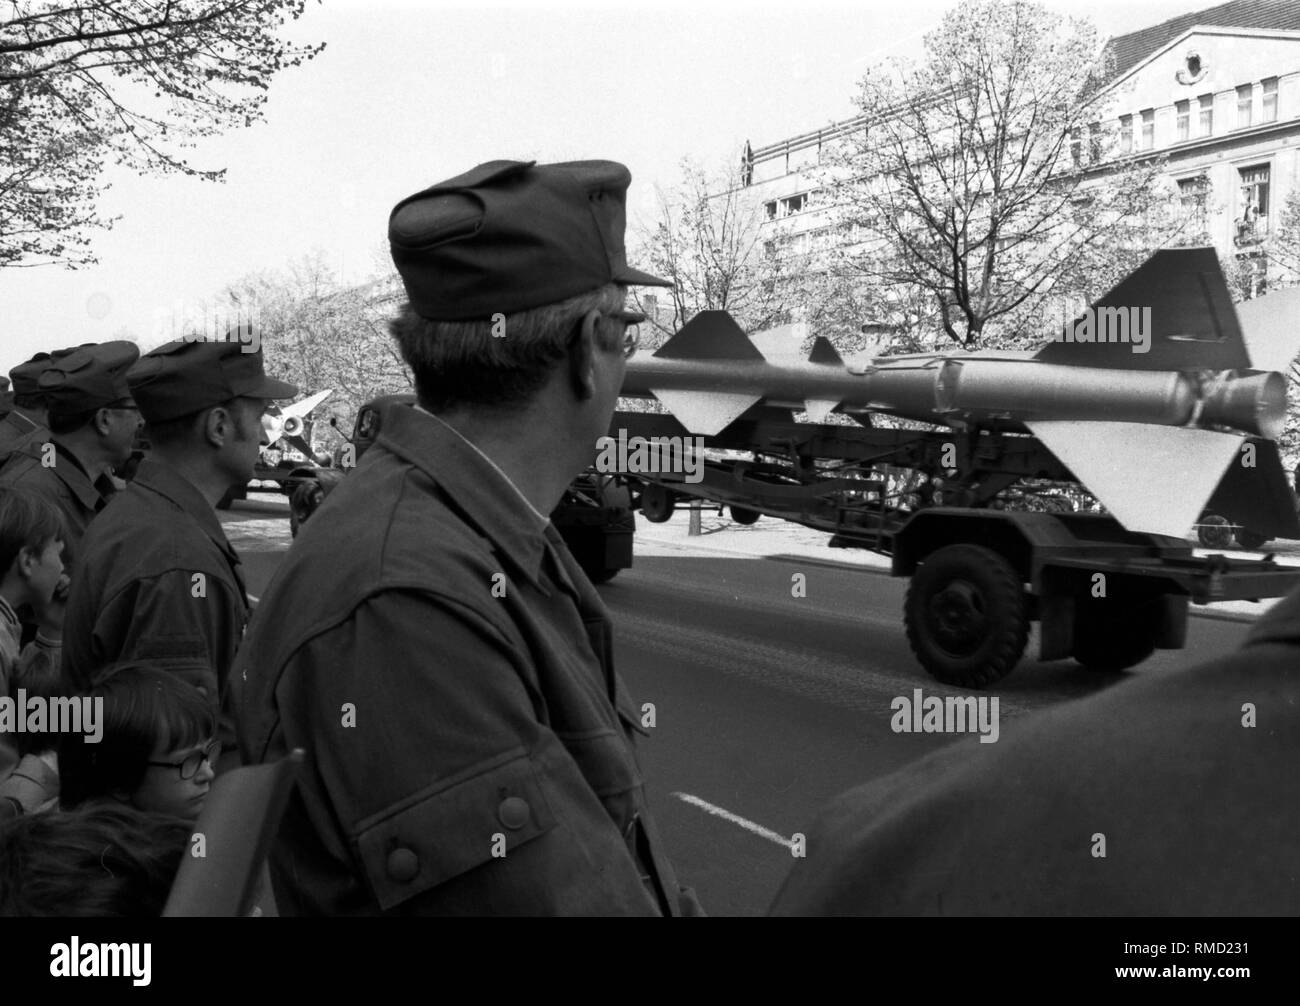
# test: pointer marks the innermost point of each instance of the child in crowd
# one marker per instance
(31, 574)
(101, 860)
(157, 751)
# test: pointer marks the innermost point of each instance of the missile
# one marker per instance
(1154, 381)
(288, 422)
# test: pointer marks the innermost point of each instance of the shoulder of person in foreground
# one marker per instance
(1159, 796)
(433, 783)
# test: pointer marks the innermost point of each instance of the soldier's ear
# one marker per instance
(582, 352)
(218, 425)
(103, 422)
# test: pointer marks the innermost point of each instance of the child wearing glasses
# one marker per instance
(158, 751)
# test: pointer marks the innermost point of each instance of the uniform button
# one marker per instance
(513, 812)
(403, 865)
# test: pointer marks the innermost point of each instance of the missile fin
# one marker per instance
(819, 408)
(1151, 478)
(710, 335)
(781, 344)
(1269, 326)
(824, 353)
(306, 405)
(1181, 301)
(705, 413)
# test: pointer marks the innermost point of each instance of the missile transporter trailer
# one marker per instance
(993, 530)
(594, 517)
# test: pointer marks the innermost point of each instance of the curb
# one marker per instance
(1220, 616)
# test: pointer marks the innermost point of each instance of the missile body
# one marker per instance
(1173, 412)
(956, 389)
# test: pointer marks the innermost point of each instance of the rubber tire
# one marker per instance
(1114, 636)
(232, 494)
(1214, 531)
(744, 515)
(984, 580)
(303, 502)
(657, 503)
(601, 576)
(1251, 539)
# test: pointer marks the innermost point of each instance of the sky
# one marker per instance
(409, 93)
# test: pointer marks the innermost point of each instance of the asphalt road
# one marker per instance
(765, 704)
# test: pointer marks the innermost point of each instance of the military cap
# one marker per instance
(88, 378)
(513, 235)
(26, 376)
(182, 377)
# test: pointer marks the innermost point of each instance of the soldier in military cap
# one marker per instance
(158, 579)
(430, 641)
(93, 421)
(25, 421)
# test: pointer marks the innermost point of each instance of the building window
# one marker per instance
(1148, 129)
(651, 304)
(1206, 102)
(1270, 100)
(793, 204)
(1094, 142)
(1184, 110)
(771, 209)
(1126, 134)
(1192, 193)
(1076, 147)
(1252, 217)
(1244, 94)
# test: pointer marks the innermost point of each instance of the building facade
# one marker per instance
(1215, 91)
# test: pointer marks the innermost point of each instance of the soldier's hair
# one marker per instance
(95, 861)
(26, 521)
(147, 707)
(458, 363)
(172, 432)
(70, 422)
(33, 401)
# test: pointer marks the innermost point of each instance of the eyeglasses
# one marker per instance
(631, 332)
(193, 761)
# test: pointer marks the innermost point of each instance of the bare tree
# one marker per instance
(708, 239)
(985, 176)
(319, 333)
(132, 82)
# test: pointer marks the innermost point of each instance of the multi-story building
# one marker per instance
(1215, 91)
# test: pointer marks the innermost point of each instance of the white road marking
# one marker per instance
(727, 815)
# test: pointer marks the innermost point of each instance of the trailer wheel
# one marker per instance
(744, 515)
(657, 503)
(966, 616)
(1113, 635)
(304, 501)
(1250, 539)
(600, 575)
(1214, 531)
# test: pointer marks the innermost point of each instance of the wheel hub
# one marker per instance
(957, 617)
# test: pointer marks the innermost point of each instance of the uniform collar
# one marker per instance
(89, 494)
(22, 422)
(160, 479)
(484, 496)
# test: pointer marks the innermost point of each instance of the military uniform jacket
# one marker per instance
(1174, 794)
(17, 432)
(157, 580)
(63, 483)
(447, 668)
